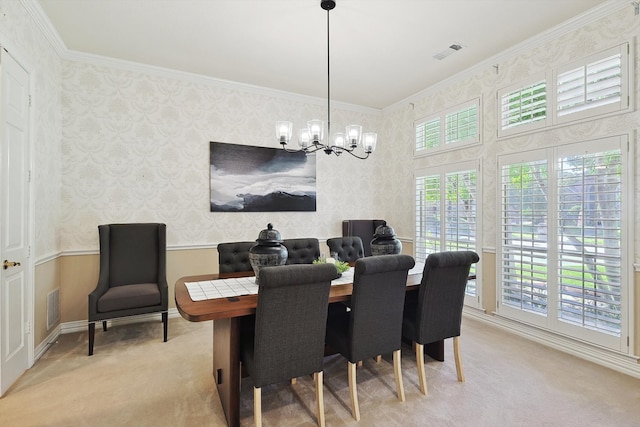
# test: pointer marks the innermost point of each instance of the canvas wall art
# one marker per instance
(245, 178)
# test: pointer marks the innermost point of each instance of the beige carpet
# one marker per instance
(134, 379)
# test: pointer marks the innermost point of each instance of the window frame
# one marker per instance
(623, 105)
(441, 117)
(626, 103)
(442, 172)
(551, 320)
(517, 87)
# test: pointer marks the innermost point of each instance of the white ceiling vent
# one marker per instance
(448, 51)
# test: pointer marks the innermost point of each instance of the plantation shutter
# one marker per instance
(589, 240)
(597, 86)
(523, 234)
(523, 106)
(427, 216)
(428, 134)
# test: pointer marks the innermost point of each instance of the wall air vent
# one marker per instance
(448, 51)
(53, 308)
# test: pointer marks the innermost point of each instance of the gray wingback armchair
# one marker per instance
(132, 279)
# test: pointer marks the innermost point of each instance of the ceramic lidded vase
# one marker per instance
(268, 251)
(384, 241)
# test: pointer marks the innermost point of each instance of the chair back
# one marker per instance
(290, 322)
(441, 295)
(377, 301)
(233, 257)
(302, 251)
(346, 248)
(133, 253)
(363, 228)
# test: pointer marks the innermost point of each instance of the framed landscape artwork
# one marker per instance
(245, 178)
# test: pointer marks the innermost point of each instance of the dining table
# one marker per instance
(227, 313)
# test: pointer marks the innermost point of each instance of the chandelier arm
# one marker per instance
(355, 155)
(307, 150)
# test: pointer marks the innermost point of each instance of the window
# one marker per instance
(562, 238)
(596, 85)
(449, 129)
(446, 215)
(523, 107)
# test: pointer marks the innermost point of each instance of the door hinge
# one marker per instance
(29, 100)
(27, 327)
(627, 341)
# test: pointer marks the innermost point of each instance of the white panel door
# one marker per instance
(14, 221)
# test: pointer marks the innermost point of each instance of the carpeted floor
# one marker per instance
(134, 379)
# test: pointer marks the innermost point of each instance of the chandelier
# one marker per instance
(310, 139)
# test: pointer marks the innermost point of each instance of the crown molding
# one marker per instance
(51, 34)
(41, 20)
(605, 9)
(44, 24)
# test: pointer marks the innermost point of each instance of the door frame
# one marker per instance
(29, 67)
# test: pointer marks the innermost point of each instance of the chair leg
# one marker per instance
(456, 355)
(293, 381)
(104, 326)
(317, 376)
(257, 407)
(378, 358)
(165, 324)
(397, 370)
(422, 377)
(353, 391)
(92, 334)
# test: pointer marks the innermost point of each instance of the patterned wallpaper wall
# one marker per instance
(136, 148)
(24, 39)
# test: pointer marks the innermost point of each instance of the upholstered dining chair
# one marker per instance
(132, 278)
(435, 313)
(346, 248)
(233, 257)
(302, 250)
(373, 325)
(287, 340)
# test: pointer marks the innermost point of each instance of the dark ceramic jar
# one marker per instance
(384, 241)
(268, 251)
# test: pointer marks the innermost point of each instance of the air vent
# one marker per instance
(448, 51)
(53, 308)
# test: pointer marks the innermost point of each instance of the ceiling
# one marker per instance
(381, 50)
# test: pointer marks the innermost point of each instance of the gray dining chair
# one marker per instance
(435, 313)
(132, 279)
(302, 250)
(233, 257)
(287, 340)
(346, 248)
(373, 324)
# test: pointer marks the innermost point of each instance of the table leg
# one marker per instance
(226, 366)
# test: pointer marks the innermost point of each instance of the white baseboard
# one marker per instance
(82, 325)
(624, 363)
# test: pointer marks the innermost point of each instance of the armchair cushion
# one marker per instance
(129, 296)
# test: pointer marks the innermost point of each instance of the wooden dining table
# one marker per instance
(227, 314)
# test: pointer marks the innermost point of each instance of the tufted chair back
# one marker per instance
(347, 248)
(302, 251)
(234, 256)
